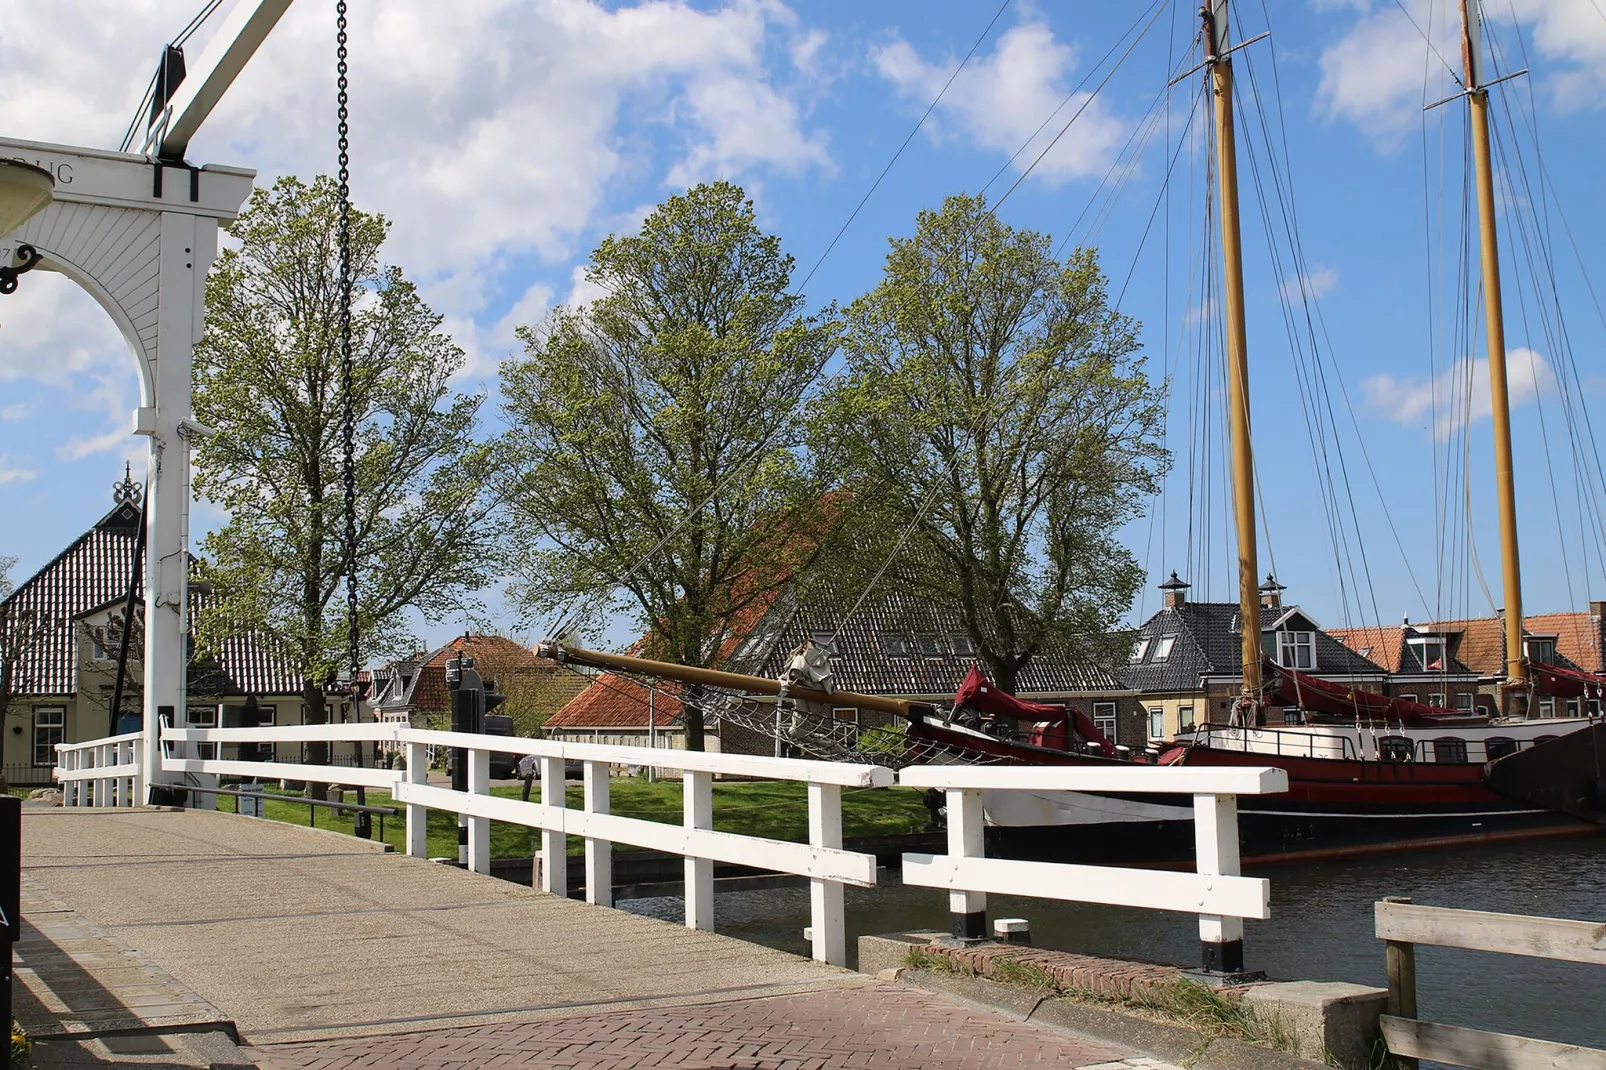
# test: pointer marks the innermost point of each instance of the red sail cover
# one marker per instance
(1342, 700)
(978, 693)
(1559, 682)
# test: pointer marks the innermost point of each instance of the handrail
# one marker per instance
(1403, 925)
(1215, 891)
(101, 772)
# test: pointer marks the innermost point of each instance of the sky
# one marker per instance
(505, 138)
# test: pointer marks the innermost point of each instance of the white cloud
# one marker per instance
(16, 412)
(999, 101)
(1317, 282)
(1445, 402)
(8, 474)
(582, 290)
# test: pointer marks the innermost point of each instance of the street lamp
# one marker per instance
(24, 192)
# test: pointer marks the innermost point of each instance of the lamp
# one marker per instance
(24, 192)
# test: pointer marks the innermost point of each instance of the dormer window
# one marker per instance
(1296, 650)
(1541, 651)
(1162, 647)
(897, 644)
(1429, 651)
(1140, 648)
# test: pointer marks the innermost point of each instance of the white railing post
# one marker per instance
(698, 808)
(599, 853)
(479, 828)
(967, 909)
(103, 784)
(136, 751)
(827, 911)
(417, 816)
(1215, 830)
(81, 786)
(554, 842)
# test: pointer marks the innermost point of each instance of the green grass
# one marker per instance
(773, 809)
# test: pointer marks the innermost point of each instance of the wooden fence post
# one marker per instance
(554, 842)
(1215, 831)
(698, 810)
(417, 816)
(599, 853)
(827, 909)
(1402, 981)
(967, 909)
(479, 828)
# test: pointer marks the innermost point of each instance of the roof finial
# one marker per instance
(127, 490)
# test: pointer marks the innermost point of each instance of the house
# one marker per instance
(895, 644)
(61, 637)
(1421, 661)
(1186, 665)
(414, 689)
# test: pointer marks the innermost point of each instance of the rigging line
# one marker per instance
(1165, 187)
(1429, 41)
(196, 23)
(1067, 99)
(909, 138)
(1084, 106)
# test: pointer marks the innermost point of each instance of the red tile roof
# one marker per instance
(493, 655)
(619, 702)
(1483, 639)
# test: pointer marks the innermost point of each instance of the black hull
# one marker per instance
(1269, 837)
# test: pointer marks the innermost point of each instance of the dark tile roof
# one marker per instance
(91, 575)
(1209, 642)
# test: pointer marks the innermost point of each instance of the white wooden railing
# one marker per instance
(101, 772)
(822, 860)
(1215, 890)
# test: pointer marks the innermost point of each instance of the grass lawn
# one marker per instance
(774, 809)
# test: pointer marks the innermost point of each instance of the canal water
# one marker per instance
(1320, 928)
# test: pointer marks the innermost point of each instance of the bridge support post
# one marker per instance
(417, 816)
(827, 909)
(479, 828)
(554, 843)
(698, 807)
(1215, 830)
(599, 853)
(968, 910)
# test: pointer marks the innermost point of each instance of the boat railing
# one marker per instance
(1403, 925)
(1215, 891)
(1285, 742)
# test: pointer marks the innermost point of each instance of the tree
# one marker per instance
(268, 378)
(995, 408)
(658, 459)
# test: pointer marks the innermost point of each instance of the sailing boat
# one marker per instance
(1367, 772)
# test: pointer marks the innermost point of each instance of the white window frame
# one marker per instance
(1436, 698)
(1573, 708)
(1104, 719)
(1423, 644)
(1156, 713)
(855, 722)
(898, 644)
(929, 645)
(1409, 696)
(59, 726)
(1184, 717)
(1140, 647)
(1291, 644)
(1163, 647)
(1546, 642)
(1547, 707)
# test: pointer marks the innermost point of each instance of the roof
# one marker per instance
(1209, 642)
(1389, 647)
(92, 575)
(1482, 643)
(424, 675)
(619, 702)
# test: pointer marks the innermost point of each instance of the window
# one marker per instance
(203, 717)
(266, 715)
(1593, 706)
(1572, 707)
(1409, 696)
(1162, 647)
(1140, 648)
(1464, 701)
(847, 724)
(1156, 722)
(931, 646)
(1436, 698)
(1293, 715)
(1184, 718)
(825, 639)
(1498, 747)
(1448, 750)
(1104, 719)
(897, 644)
(1296, 650)
(1542, 651)
(1395, 749)
(962, 646)
(49, 728)
(1430, 651)
(1547, 707)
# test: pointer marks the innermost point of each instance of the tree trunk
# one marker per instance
(691, 716)
(317, 750)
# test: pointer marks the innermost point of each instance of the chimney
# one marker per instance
(1271, 593)
(1597, 610)
(1176, 591)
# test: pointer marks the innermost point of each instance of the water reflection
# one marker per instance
(1320, 929)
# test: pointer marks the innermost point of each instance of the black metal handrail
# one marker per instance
(356, 808)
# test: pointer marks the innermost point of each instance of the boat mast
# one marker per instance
(1489, 243)
(1214, 15)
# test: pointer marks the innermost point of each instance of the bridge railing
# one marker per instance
(1215, 890)
(822, 860)
(101, 772)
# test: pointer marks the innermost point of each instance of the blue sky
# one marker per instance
(506, 138)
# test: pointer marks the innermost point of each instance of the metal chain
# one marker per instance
(348, 409)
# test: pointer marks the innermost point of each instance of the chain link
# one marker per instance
(348, 407)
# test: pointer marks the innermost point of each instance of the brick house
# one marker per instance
(896, 645)
(1186, 666)
(60, 638)
(1421, 662)
(414, 689)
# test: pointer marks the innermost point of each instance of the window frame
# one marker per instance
(897, 644)
(1422, 645)
(1106, 722)
(1436, 698)
(35, 725)
(1156, 712)
(1296, 642)
(962, 646)
(1163, 645)
(1450, 750)
(930, 645)
(1140, 649)
(1466, 701)
(1547, 707)
(1185, 717)
(1546, 643)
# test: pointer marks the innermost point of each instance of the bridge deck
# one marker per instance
(317, 945)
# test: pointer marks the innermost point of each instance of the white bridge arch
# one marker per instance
(140, 236)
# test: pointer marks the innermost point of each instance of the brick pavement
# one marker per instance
(879, 1025)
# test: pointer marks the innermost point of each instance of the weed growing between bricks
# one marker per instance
(1158, 992)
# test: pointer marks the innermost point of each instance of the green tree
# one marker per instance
(657, 454)
(268, 378)
(995, 407)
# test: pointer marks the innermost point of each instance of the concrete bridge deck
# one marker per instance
(325, 952)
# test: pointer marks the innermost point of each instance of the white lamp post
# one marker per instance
(24, 192)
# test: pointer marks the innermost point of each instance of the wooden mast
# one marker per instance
(1494, 328)
(1214, 15)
